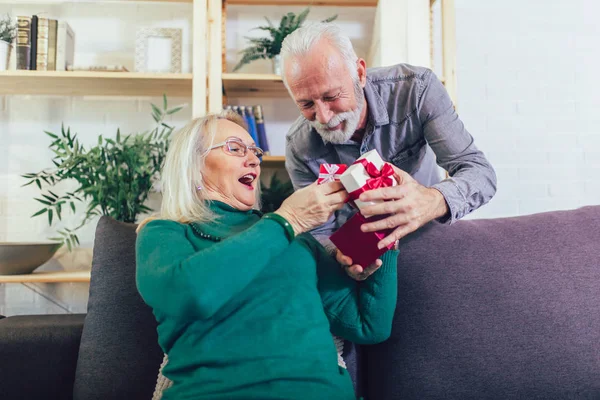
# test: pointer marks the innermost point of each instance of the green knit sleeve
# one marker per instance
(175, 279)
(360, 311)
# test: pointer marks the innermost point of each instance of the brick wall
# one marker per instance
(527, 91)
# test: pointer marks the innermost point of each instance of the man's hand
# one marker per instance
(357, 272)
(411, 204)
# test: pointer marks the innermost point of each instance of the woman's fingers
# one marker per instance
(337, 198)
(331, 187)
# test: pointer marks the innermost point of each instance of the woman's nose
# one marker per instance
(251, 159)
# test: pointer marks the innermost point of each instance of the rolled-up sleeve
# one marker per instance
(301, 176)
(472, 179)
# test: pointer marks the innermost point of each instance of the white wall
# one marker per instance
(401, 33)
(528, 91)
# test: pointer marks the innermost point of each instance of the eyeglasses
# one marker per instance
(235, 147)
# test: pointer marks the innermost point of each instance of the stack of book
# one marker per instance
(253, 115)
(44, 44)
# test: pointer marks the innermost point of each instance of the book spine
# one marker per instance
(65, 46)
(42, 45)
(246, 116)
(52, 31)
(260, 129)
(252, 126)
(23, 42)
(33, 52)
(61, 43)
(70, 47)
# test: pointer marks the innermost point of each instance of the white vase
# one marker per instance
(277, 64)
(5, 48)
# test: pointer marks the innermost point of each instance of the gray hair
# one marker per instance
(301, 41)
(181, 174)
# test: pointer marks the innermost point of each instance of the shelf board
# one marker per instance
(263, 85)
(48, 277)
(89, 83)
(341, 3)
(273, 162)
(338, 3)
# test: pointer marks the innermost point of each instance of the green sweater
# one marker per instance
(244, 314)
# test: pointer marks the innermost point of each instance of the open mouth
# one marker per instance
(335, 128)
(248, 180)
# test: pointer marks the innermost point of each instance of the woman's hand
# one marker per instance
(357, 272)
(313, 205)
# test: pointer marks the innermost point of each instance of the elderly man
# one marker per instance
(402, 111)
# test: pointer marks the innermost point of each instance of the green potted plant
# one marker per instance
(114, 177)
(272, 196)
(270, 47)
(8, 32)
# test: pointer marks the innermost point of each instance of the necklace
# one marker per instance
(205, 235)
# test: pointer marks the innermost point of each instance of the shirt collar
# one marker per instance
(376, 107)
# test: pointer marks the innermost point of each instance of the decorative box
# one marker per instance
(330, 172)
(367, 173)
(358, 245)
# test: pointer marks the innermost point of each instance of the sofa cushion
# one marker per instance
(119, 354)
(495, 309)
(38, 355)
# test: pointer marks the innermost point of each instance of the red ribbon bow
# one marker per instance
(377, 178)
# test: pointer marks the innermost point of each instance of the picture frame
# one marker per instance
(158, 50)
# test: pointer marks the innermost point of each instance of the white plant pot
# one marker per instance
(5, 48)
(277, 64)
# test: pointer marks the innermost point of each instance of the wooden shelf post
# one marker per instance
(199, 54)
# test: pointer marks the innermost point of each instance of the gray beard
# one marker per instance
(352, 118)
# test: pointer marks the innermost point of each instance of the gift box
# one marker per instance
(330, 172)
(358, 245)
(367, 173)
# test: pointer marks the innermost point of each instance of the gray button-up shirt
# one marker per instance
(411, 123)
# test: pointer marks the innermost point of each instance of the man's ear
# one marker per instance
(361, 64)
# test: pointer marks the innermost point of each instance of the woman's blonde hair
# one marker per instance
(181, 175)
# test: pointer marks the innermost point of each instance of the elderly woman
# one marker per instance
(246, 303)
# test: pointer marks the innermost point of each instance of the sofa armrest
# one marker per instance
(38, 355)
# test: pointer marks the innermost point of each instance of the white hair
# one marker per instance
(298, 43)
(181, 175)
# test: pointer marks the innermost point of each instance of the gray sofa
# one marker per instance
(488, 309)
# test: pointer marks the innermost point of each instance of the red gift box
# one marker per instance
(330, 172)
(358, 245)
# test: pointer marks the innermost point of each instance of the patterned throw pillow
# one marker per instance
(163, 383)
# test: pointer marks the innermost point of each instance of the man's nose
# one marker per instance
(322, 112)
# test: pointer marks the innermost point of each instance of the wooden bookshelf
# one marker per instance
(255, 85)
(84, 83)
(48, 277)
(273, 162)
(314, 3)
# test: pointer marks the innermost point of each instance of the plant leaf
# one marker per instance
(40, 212)
(47, 203)
(174, 110)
